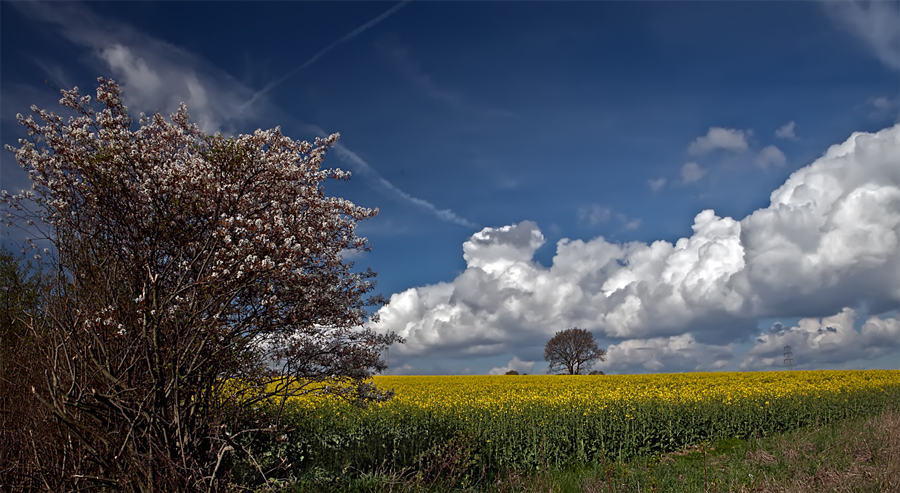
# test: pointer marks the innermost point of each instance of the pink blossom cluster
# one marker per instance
(227, 236)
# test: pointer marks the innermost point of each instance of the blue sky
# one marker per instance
(536, 163)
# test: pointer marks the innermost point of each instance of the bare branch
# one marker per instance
(572, 351)
(190, 273)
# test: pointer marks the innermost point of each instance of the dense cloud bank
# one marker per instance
(830, 239)
(830, 340)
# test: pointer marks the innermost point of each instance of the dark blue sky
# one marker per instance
(616, 119)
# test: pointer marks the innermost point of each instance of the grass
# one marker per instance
(857, 455)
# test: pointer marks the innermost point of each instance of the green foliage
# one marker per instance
(20, 295)
(857, 454)
(338, 438)
(29, 435)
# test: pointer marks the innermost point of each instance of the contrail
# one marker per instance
(444, 214)
(364, 168)
(347, 37)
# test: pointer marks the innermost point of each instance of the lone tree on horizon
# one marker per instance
(572, 351)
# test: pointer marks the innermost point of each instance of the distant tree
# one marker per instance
(511, 372)
(194, 276)
(596, 372)
(572, 351)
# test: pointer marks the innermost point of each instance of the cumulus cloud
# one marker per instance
(877, 23)
(675, 353)
(786, 131)
(727, 139)
(514, 364)
(496, 249)
(829, 340)
(833, 229)
(691, 172)
(830, 238)
(154, 75)
(770, 155)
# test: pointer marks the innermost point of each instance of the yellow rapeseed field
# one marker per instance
(526, 421)
(517, 390)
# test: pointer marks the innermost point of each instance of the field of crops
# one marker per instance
(532, 421)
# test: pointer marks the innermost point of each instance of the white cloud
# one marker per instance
(829, 239)
(514, 364)
(691, 172)
(770, 155)
(494, 250)
(877, 23)
(786, 131)
(827, 341)
(157, 76)
(833, 228)
(675, 353)
(154, 75)
(728, 139)
(657, 184)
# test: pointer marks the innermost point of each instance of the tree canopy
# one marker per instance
(194, 277)
(572, 351)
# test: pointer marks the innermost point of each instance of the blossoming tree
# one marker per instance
(194, 273)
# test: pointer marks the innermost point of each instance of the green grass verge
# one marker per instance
(340, 440)
(855, 455)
